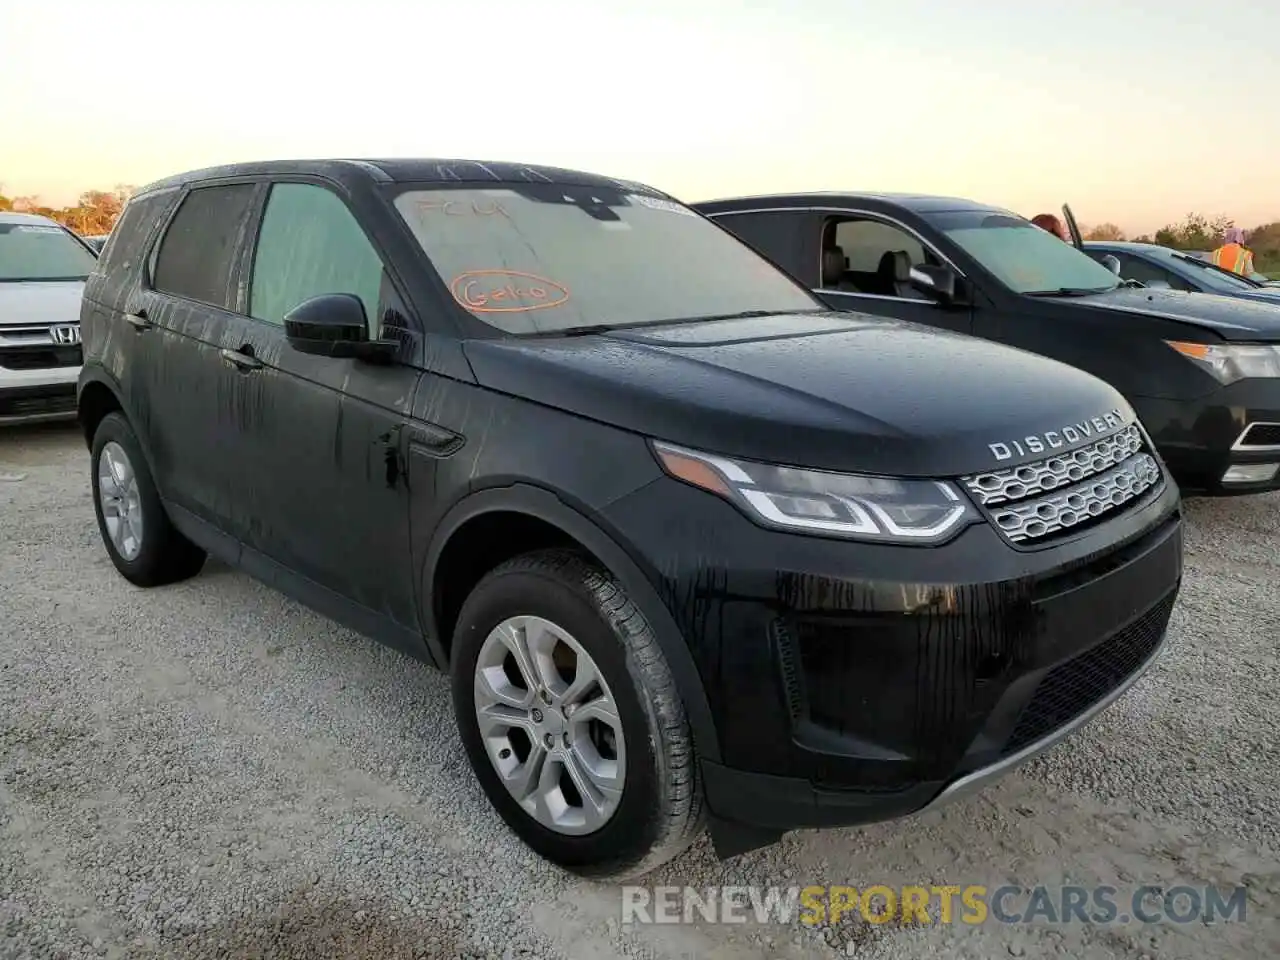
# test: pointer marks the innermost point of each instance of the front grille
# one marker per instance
(41, 359)
(1260, 435)
(1071, 688)
(32, 347)
(1067, 491)
(25, 333)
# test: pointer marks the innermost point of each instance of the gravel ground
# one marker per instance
(210, 770)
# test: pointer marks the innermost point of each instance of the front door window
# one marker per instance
(870, 257)
(310, 244)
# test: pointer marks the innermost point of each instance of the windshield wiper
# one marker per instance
(587, 330)
(1071, 291)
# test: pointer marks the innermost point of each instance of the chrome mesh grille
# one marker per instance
(1019, 483)
(1036, 500)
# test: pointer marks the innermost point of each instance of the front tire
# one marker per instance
(571, 719)
(142, 543)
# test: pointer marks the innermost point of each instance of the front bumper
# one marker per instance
(852, 683)
(1202, 440)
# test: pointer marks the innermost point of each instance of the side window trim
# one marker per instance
(248, 262)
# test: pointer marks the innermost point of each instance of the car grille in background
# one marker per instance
(1035, 501)
(31, 347)
(1260, 435)
(1071, 688)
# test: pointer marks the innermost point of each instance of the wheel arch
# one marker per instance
(96, 396)
(544, 507)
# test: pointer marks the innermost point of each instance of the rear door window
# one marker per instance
(310, 244)
(198, 251)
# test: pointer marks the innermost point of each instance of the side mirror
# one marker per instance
(936, 282)
(334, 325)
(1112, 263)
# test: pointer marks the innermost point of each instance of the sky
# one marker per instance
(1135, 113)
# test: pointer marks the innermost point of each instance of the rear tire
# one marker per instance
(142, 543)
(639, 803)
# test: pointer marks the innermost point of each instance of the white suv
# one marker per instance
(43, 267)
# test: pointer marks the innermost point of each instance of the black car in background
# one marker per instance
(691, 543)
(1163, 267)
(1202, 370)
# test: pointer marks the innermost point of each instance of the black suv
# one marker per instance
(1202, 370)
(693, 546)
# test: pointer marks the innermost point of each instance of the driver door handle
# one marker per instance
(138, 320)
(245, 361)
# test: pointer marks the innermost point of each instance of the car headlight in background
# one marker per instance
(1229, 362)
(815, 501)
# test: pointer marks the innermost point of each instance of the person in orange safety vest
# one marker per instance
(1233, 255)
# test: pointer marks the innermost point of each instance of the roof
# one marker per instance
(406, 170)
(11, 217)
(916, 202)
(1128, 245)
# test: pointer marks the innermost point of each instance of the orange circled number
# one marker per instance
(506, 291)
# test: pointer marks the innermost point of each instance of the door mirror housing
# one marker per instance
(934, 281)
(335, 325)
(1112, 263)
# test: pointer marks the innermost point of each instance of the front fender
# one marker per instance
(546, 506)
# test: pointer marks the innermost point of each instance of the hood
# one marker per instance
(835, 391)
(1231, 317)
(56, 301)
(1266, 294)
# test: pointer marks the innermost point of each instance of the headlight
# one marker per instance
(1229, 362)
(813, 501)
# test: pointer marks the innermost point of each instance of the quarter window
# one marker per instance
(197, 253)
(310, 244)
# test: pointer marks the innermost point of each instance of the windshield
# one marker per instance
(539, 258)
(1022, 256)
(41, 251)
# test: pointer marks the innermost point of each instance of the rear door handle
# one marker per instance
(245, 361)
(138, 320)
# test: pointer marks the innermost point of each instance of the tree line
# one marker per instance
(96, 212)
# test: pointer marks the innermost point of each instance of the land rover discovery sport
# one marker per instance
(694, 548)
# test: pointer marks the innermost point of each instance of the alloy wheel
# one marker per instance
(120, 500)
(550, 725)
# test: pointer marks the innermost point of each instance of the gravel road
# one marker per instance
(210, 770)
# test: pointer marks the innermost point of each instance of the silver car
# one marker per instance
(43, 267)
